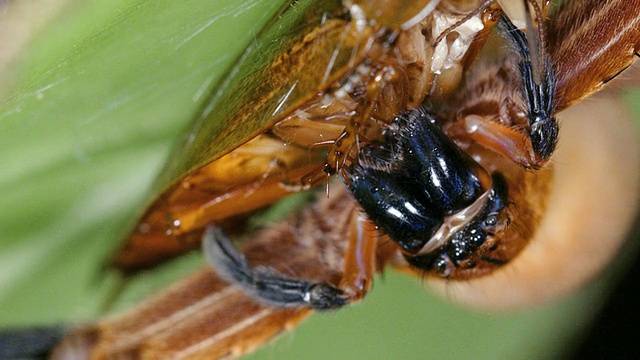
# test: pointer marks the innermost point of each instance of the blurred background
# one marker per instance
(92, 96)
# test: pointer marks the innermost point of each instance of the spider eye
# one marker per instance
(491, 220)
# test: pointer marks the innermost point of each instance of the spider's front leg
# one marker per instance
(264, 283)
(270, 286)
(582, 46)
(526, 131)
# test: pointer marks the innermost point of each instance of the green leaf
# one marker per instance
(97, 99)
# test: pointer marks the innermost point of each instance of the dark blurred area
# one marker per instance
(29, 342)
(615, 333)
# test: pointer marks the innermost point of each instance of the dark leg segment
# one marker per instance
(265, 283)
(538, 90)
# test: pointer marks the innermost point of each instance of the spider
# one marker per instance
(378, 86)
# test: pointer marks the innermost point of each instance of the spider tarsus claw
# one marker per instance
(324, 297)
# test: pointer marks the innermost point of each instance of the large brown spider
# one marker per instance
(333, 100)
